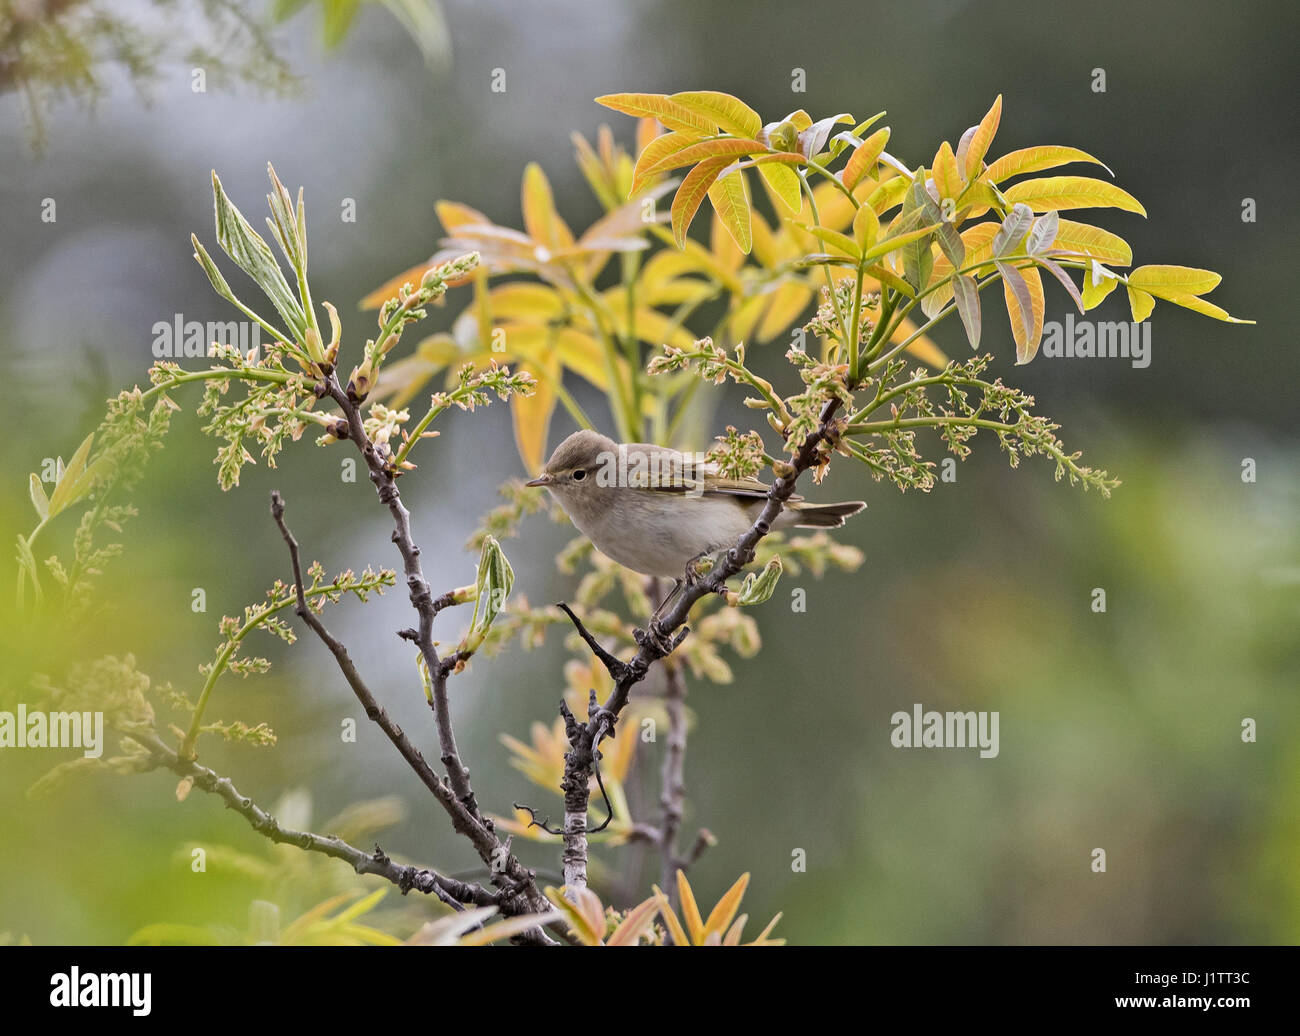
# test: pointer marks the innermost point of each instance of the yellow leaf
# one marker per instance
(1141, 303)
(661, 107)
(1072, 192)
(1096, 290)
(947, 179)
(635, 922)
(1175, 280)
(1093, 242)
(582, 909)
(784, 182)
(1026, 328)
(531, 415)
(730, 114)
(1034, 159)
(863, 160)
(788, 304)
(866, 227)
(522, 300)
(888, 194)
(923, 348)
(984, 133)
(722, 915)
(694, 923)
(1208, 309)
(541, 221)
(690, 195)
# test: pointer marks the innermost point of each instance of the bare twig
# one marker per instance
(508, 873)
(450, 890)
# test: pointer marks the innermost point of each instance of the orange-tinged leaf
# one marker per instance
(731, 203)
(690, 195)
(1034, 159)
(721, 916)
(635, 923)
(1026, 327)
(541, 221)
(669, 915)
(658, 149)
(983, 137)
(582, 909)
(531, 415)
(1072, 192)
(731, 114)
(661, 107)
(729, 147)
(947, 179)
(864, 159)
(1174, 280)
(452, 214)
(691, 912)
(393, 285)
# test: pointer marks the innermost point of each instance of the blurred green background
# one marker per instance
(1119, 730)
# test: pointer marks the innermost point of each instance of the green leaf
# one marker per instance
(493, 585)
(337, 19)
(251, 254)
(967, 297)
(67, 491)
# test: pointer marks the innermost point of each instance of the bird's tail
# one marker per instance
(804, 515)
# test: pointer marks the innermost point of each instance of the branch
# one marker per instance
(450, 890)
(508, 873)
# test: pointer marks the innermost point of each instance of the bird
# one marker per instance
(656, 510)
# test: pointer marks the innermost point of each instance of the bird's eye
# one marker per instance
(579, 475)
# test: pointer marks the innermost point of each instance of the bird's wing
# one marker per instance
(672, 472)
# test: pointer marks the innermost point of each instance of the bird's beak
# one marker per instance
(540, 480)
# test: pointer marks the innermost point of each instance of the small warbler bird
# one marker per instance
(655, 510)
